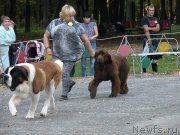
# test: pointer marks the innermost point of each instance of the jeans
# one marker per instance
(92, 60)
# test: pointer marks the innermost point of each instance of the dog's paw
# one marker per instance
(124, 91)
(89, 86)
(112, 95)
(14, 113)
(92, 95)
(28, 117)
(12, 110)
(43, 114)
(53, 106)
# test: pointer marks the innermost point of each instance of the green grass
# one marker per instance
(78, 68)
(36, 33)
(166, 65)
(175, 28)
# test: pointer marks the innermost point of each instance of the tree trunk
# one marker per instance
(45, 12)
(103, 11)
(133, 11)
(121, 14)
(82, 5)
(171, 11)
(40, 14)
(163, 11)
(100, 8)
(13, 10)
(60, 4)
(27, 17)
(100, 14)
(177, 11)
(78, 10)
(6, 7)
(113, 10)
(141, 8)
(51, 7)
(96, 10)
(116, 10)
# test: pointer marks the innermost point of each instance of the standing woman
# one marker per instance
(7, 37)
(68, 37)
(91, 31)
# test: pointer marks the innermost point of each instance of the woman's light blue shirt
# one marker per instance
(7, 37)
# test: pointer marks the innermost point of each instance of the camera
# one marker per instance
(3, 78)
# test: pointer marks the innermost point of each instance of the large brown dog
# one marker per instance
(29, 80)
(110, 67)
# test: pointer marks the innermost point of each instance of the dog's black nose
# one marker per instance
(6, 77)
(12, 89)
(3, 78)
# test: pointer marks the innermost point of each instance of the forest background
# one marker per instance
(32, 16)
(114, 18)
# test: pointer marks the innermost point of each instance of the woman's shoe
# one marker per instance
(70, 87)
(62, 98)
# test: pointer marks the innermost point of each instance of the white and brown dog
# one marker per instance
(28, 79)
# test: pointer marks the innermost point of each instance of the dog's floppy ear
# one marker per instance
(39, 81)
(96, 54)
(109, 60)
(23, 73)
(6, 71)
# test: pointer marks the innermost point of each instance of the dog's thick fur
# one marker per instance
(28, 80)
(110, 67)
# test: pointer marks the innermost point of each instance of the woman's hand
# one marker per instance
(48, 51)
(91, 54)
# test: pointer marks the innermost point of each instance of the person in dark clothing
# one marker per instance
(151, 26)
(13, 48)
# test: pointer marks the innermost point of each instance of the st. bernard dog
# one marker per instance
(28, 80)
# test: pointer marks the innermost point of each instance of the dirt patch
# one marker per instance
(3, 88)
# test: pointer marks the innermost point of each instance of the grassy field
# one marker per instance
(36, 33)
(166, 65)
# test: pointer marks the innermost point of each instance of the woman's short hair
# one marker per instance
(3, 17)
(86, 15)
(67, 10)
